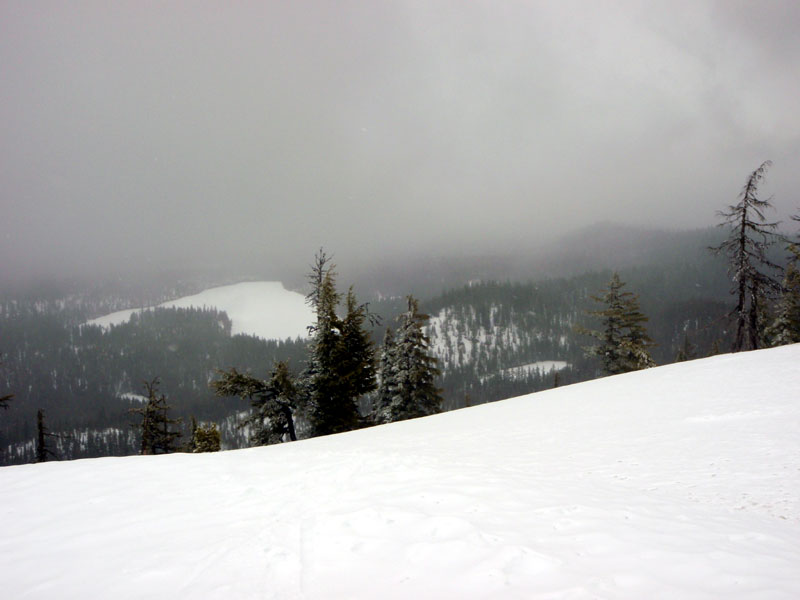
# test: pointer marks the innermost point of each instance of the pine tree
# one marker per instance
(274, 403)
(381, 412)
(42, 433)
(624, 342)
(755, 277)
(355, 353)
(192, 443)
(204, 438)
(157, 435)
(785, 329)
(340, 366)
(207, 438)
(413, 370)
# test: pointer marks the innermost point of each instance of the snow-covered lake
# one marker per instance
(261, 308)
(681, 481)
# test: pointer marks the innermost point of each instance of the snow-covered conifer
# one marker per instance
(413, 370)
(386, 382)
(340, 366)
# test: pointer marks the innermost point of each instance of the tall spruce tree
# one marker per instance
(158, 437)
(341, 363)
(355, 353)
(381, 411)
(756, 278)
(411, 380)
(624, 342)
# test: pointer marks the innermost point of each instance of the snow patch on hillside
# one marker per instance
(261, 308)
(675, 482)
(133, 397)
(541, 366)
(459, 337)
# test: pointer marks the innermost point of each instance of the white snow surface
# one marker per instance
(261, 308)
(677, 482)
(542, 366)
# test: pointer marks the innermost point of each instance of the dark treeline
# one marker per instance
(86, 378)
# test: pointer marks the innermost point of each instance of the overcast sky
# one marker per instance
(162, 132)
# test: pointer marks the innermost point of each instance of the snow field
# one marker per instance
(676, 482)
(542, 366)
(261, 308)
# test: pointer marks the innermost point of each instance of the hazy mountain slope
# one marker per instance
(681, 481)
(598, 247)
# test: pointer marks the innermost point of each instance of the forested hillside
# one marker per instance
(86, 378)
(494, 339)
(482, 331)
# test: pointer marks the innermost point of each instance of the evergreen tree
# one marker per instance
(624, 342)
(413, 370)
(157, 435)
(42, 433)
(340, 366)
(192, 443)
(754, 275)
(387, 387)
(206, 438)
(785, 329)
(274, 403)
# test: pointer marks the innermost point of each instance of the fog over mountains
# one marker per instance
(181, 136)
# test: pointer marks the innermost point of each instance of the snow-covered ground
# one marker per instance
(541, 366)
(677, 482)
(261, 308)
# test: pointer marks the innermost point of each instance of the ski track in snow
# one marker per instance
(676, 482)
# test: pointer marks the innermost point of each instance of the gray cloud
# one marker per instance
(142, 133)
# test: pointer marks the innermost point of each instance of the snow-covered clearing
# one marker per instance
(261, 308)
(541, 366)
(133, 397)
(676, 482)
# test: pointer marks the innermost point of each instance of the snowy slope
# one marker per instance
(261, 308)
(677, 482)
